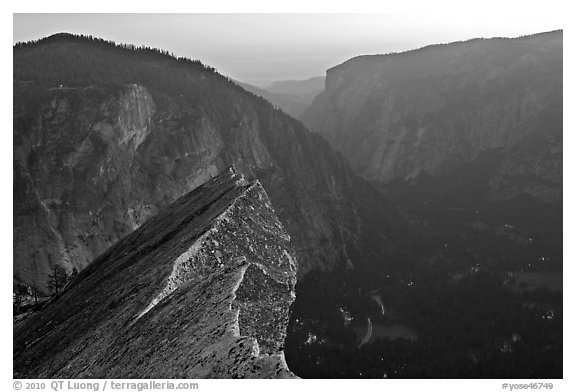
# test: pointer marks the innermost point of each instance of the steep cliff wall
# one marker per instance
(432, 111)
(201, 290)
(106, 136)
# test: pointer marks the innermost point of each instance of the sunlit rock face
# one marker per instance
(105, 137)
(433, 111)
(201, 290)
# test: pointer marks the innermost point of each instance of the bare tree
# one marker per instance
(35, 293)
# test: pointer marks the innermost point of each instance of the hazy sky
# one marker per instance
(261, 48)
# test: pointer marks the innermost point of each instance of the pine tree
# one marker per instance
(57, 278)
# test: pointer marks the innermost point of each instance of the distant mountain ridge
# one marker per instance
(433, 111)
(292, 96)
(290, 104)
(298, 87)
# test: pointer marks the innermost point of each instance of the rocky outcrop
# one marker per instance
(201, 290)
(106, 136)
(434, 111)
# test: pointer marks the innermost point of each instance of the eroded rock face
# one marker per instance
(105, 137)
(433, 111)
(202, 290)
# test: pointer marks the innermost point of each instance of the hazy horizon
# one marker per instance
(263, 48)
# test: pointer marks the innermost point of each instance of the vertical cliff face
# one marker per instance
(201, 290)
(433, 111)
(64, 162)
(106, 136)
